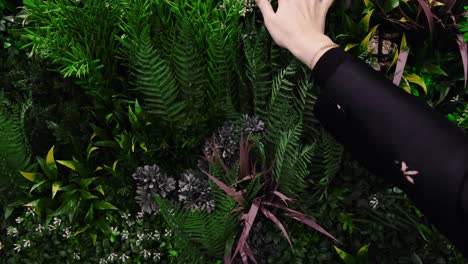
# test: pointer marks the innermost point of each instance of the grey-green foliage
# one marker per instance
(15, 152)
(200, 235)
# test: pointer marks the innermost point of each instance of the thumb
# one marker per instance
(266, 9)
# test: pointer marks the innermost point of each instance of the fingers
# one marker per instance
(266, 9)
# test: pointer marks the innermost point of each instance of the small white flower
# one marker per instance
(112, 256)
(39, 228)
(17, 248)
(67, 233)
(1, 245)
(19, 220)
(12, 231)
(103, 261)
(57, 221)
(125, 216)
(140, 236)
(125, 234)
(156, 235)
(374, 202)
(124, 258)
(146, 254)
(76, 256)
(156, 256)
(140, 215)
(29, 212)
(26, 243)
(114, 229)
(168, 233)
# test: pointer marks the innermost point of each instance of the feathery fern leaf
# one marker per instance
(154, 79)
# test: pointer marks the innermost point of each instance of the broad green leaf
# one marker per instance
(44, 167)
(85, 195)
(68, 163)
(37, 185)
(364, 24)
(32, 176)
(99, 189)
(137, 108)
(365, 41)
(416, 79)
(434, 69)
(94, 238)
(81, 230)
(55, 188)
(50, 162)
(389, 5)
(86, 182)
(89, 215)
(102, 205)
(132, 118)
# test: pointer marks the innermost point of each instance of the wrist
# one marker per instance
(311, 49)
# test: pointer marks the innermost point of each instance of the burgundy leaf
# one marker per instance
(249, 253)
(283, 197)
(302, 218)
(464, 54)
(427, 10)
(244, 157)
(237, 195)
(275, 220)
(400, 66)
(249, 219)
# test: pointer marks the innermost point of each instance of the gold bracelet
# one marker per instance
(330, 45)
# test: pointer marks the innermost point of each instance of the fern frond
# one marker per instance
(281, 112)
(189, 66)
(154, 80)
(256, 47)
(326, 158)
(291, 162)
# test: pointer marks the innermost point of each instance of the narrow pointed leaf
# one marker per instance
(102, 205)
(55, 188)
(50, 162)
(68, 163)
(427, 10)
(462, 45)
(275, 220)
(249, 219)
(237, 195)
(32, 176)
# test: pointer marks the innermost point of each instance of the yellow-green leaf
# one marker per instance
(364, 24)
(68, 163)
(403, 45)
(403, 19)
(114, 166)
(394, 61)
(98, 168)
(365, 41)
(31, 176)
(100, 189)
(55, 188)
(50, 162)
(93, 136)
(350, 46)
(90, 150)
(367, 2)
(143, 146)
(343, 255)
(363, 250)
(81, 230)
(416, 79)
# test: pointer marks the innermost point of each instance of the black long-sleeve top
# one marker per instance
(399, 137)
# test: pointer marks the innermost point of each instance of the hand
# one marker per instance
(298, 25)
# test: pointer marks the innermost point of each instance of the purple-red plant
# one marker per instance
(268, 201)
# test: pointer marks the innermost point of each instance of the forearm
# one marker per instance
(384, 127)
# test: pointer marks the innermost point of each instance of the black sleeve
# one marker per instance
(399, 137)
